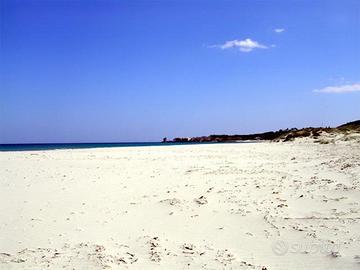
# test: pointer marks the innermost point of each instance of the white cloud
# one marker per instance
(246, 45)
(347, 88)
(279, 30)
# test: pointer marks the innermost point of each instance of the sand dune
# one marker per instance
(225, 206)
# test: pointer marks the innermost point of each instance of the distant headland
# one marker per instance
(280, 135)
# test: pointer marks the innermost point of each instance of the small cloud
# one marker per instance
(246, 45)
(347, 88)
(279, 30)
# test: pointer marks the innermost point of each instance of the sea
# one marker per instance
(54, 146)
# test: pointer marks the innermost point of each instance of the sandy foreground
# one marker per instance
(222, 206)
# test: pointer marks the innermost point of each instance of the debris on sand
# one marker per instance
(172, 201)
(188, 248)
(201, 200)
(155, 254)
(335, 254)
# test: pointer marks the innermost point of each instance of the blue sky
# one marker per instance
(94, 71)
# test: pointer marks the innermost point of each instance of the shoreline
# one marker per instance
(75, 146)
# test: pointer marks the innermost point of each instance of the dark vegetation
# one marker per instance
(280, 135)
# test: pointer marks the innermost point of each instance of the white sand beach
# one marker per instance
(220, 206)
